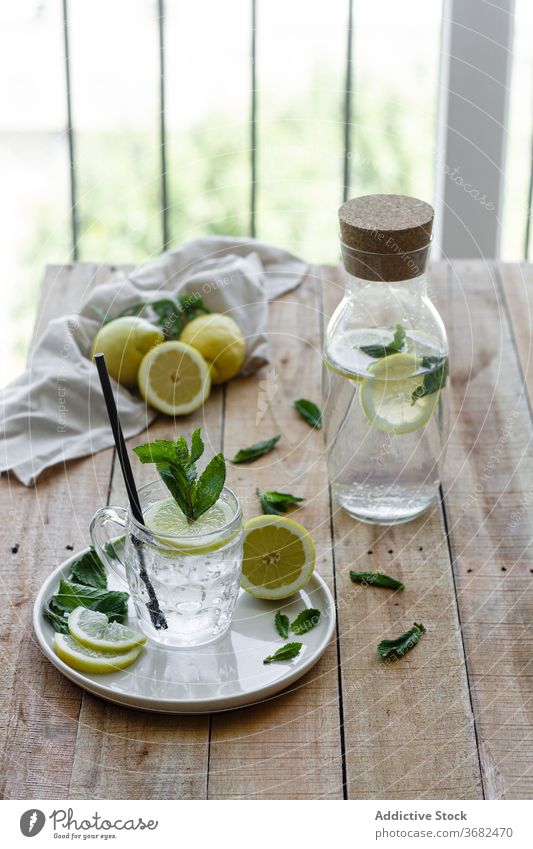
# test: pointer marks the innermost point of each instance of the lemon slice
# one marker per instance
(94, 630)
(165, 517)
(278, 557)
(336, 369)
(386, 398)
(174, 378)
(88, 660)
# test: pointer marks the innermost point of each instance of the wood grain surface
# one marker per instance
(453, 719)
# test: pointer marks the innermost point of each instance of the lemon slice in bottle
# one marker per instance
(174, 378)
(278, 557)
(85, 659)
(94, 630)
(387, 397)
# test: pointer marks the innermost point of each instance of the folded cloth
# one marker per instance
(55, 411)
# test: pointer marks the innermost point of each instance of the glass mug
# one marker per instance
(184, 588)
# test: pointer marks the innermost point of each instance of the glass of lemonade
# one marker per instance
(183, 577)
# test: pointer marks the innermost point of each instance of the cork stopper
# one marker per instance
(385, 237)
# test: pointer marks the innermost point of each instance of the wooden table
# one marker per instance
(453, 719)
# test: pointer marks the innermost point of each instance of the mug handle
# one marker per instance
(101, 540)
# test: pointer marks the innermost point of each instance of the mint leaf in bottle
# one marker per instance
(434, 380)
(394, 347)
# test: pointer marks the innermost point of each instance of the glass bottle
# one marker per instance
(385, 365)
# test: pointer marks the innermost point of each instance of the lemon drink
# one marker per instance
(195, 570)
(384, 432)
(189, 544)
(385, 365)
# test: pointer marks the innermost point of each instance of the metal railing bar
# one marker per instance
(70, 138)
(347, 116)
(529, 211)
(253, 124)
(163, 125)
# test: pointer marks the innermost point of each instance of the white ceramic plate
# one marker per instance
(227, 674)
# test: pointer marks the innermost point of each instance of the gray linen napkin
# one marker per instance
(55, 410)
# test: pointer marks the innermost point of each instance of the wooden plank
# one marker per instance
(517, 283)
(127, 754)
(288, 747)
(408, 726)
(489, 505)
(41, 526)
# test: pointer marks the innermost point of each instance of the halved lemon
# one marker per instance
(174, 378)
(278, 557)
(387, 397)
(88, 660)
(94, 630)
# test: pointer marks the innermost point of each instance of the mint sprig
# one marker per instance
(71, 595)
(286, 652)
(394, 347)
(85, 587)
(277, 503)
(171, 314)
(402, 644)
(176, 464)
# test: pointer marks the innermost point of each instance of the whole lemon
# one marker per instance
(124, 342)
(219, 340)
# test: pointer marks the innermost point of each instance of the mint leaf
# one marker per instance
(398, 339)
(89, 570)
(394, 347)
(377, 579)
(112, 547)
(160, 451)
(175, 480)
(181, 452)
(282, 624)
(258, 449)
(209, 486)
(71, 595)
(309, 412)
(434, 380)
(400, 645)
(170, 314)
(59, 623)
(176, 464)
(286, 652)
(305, 620)
(277, 503)
(197, 445)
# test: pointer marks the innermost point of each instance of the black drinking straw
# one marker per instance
(156, 614)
